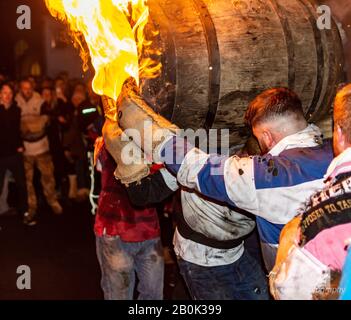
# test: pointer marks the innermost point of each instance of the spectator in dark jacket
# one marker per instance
(52, 108)
(11, 150)
(76, 140)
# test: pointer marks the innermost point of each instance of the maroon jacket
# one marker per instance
(116, 215)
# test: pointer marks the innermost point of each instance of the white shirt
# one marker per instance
(32, 109)
(202, 255)
(194, 252)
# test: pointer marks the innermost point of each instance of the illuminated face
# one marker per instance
(27, 90)
(6, 95)
(47, 95)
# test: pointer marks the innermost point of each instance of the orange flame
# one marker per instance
(114, 31)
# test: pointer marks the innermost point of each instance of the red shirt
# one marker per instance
(116, 215)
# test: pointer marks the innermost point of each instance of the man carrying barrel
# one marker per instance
(272, 186)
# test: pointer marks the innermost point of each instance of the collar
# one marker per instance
(340, 165)
(311, 136)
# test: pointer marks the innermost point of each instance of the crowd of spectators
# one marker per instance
(48, 126)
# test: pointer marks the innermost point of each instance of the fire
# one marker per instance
(114, 32)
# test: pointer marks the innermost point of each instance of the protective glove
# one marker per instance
(131, 166)
(148, 129)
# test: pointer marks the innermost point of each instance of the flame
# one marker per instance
(114, 32)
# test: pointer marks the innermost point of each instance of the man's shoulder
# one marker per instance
(340, 188)
(328, 207)
(314, 152)
(315, 158)
(293, 167)
(38, 99)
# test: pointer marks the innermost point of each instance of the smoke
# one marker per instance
(341, 10)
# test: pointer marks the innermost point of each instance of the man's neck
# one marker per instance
(287, 132)
(26, 99)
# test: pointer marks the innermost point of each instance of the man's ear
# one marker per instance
(339, 140)
(341, 137)
(339, 133)
(268, 139)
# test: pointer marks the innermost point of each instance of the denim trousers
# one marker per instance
(241, 280)
(121, 262)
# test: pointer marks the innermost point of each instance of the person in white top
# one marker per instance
(36, 149)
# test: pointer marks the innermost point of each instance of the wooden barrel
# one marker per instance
(217, 55)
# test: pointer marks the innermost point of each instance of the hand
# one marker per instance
(69, 156)
(62, 120)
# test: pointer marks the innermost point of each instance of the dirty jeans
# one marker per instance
(120, 262)
(46, 167)
(241, 280)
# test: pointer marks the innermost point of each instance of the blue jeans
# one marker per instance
(241, 280)
(120, 261)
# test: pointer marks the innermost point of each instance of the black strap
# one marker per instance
(188, 233)
(34, 137)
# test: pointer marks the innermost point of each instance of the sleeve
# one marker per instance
(229, 180)
(153, 189)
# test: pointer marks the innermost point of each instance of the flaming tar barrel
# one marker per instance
(217, 55)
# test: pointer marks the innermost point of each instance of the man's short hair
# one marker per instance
(25, 80)
(342, 111)
(273, 103)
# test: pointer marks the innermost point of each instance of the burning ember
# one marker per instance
(114, 33)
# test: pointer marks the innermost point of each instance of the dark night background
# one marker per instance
(39, 51)
(61, 253)
(10, 35)
(22, 51)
